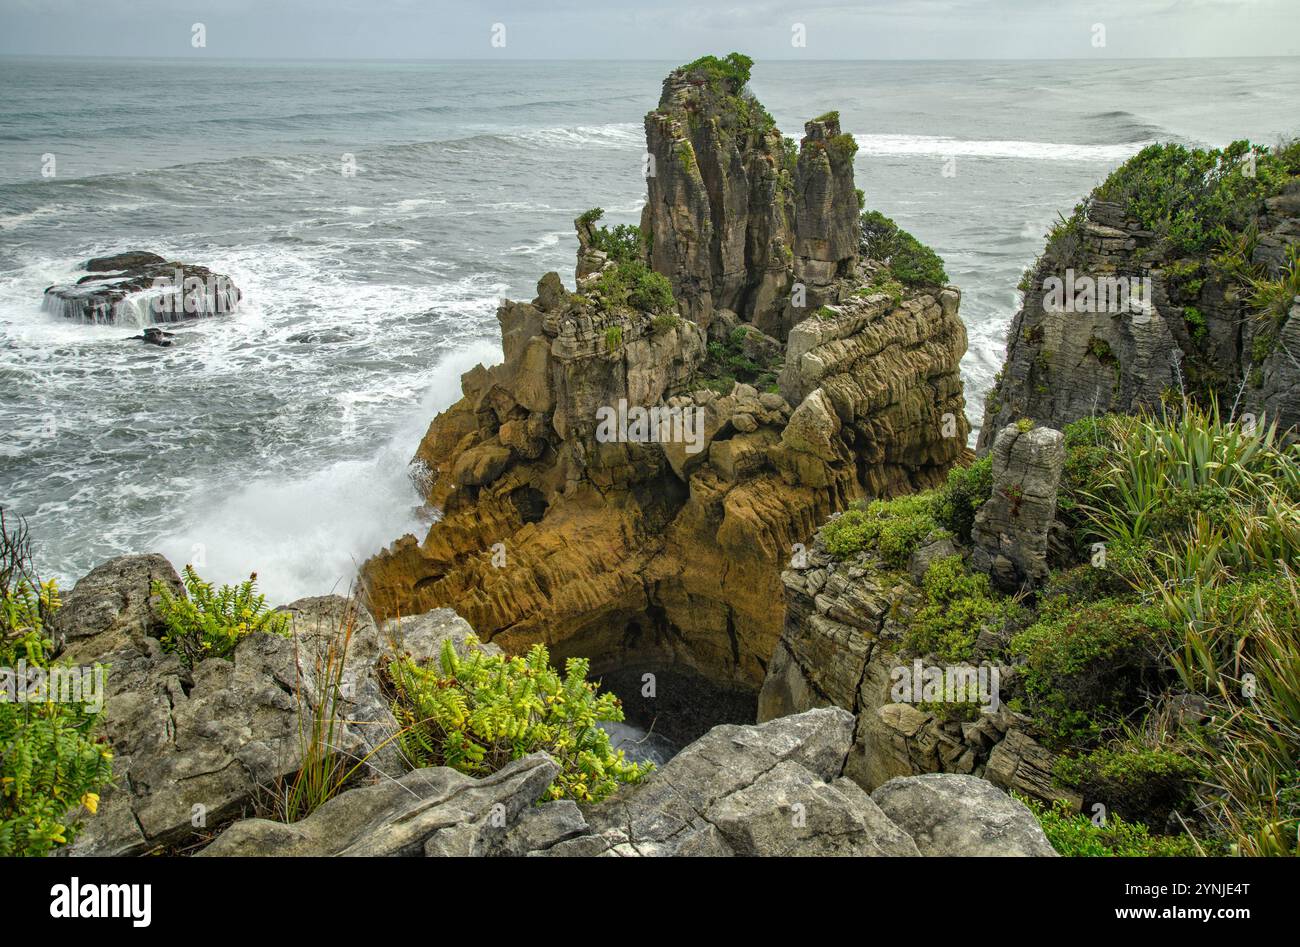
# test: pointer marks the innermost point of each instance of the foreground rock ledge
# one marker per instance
(772, 789)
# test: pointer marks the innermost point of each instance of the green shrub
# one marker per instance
(208, 623)
(1136, 782)
(477, 713)
(1076, 836)
(632, 283)
(1190, 197)
(665, 322)
(732, 70)
(892, 527)
(1272, 299)
(911, 262)
(726, 362)
(967, 489)
(53, 765)
(958, 604)
(622, 244)
(1084, 665)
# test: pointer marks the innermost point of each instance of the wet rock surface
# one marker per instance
(140, 288)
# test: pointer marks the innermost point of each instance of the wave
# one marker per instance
(940, 146)
(238, 175)
(1125, 127)
(307, 535)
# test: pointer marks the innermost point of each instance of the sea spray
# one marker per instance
(306, 535)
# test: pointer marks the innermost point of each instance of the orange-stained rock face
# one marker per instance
(668, 552)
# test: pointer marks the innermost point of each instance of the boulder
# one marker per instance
(113, 607)
(947, 815)
(432, 811)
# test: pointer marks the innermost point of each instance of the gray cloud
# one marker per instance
(667, 29)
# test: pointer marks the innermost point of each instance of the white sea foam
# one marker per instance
(942, 146)
(614, 135)
(307, 534)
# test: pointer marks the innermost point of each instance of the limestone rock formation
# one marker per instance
(197, 751)
(1011, 529)
(139, 288)
(840, 647)
(657, 543)
(433, 811)
(962, 815)
(773, 789)
(113, 606)
(194, 747)
(720, 202)
(1132, 322)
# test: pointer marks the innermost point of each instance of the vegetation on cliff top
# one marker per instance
(1162, 659)
(622, 244)
(632, 283)
(910, 261)
(1191, 198)
(477, 713)
(53, 763)
(732, 69)
(1202, 208)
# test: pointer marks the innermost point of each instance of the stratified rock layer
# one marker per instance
(1064, 363)
(1011, 528)
(648, 554)
(774, 789)
(195, 747)
(841, 647)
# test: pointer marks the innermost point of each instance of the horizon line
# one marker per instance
(536, 59)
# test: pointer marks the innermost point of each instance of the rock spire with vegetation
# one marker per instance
(820, 347)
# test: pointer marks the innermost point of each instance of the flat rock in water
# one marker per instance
(141, 288)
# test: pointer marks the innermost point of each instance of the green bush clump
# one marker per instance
(622, 244)
(958, 604)
(1137, 782)
(1076, 836)
(911, 262)
(53, 764)
(1084, 664)
(477, 713)
(732, 70)
(632, 283)
(1272, 299)
(208, 623)
(967, 489)
(892, 527)
(726, 363)
(1186, 195)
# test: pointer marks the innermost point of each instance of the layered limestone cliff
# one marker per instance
(1121, 313)
(846, 641)
(657, 543)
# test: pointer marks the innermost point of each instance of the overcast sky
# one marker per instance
(654, 29)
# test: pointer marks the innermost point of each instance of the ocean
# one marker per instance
(277, 440)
